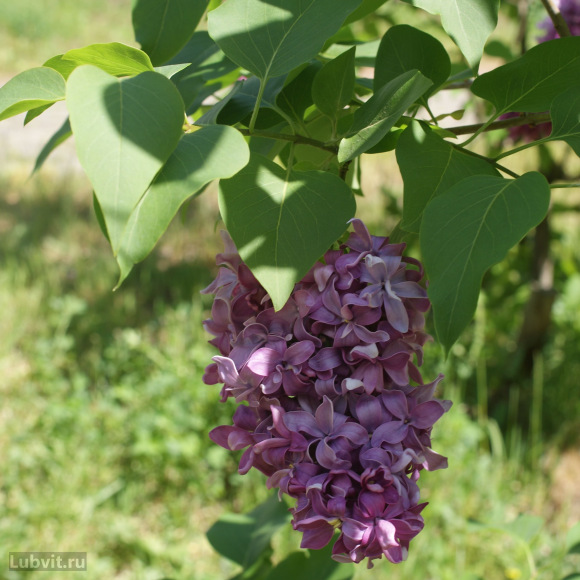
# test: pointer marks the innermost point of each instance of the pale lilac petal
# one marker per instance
(264, 361)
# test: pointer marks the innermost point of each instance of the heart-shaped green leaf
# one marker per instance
(380, 113)
(115, 58)
(468, 22)
(31, 89)
(465, 231)
(197, 160)
(530, 83)
(163, 27)
(282, 222)
(404, 48)
(124, 131)
(272, 38)
(430, 166)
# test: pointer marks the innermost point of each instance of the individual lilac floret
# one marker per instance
(332, 405)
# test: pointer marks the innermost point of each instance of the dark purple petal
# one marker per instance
(264, 361)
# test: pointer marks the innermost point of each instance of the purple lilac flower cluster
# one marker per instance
(327, 409)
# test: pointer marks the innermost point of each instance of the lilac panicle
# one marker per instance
(332, 405)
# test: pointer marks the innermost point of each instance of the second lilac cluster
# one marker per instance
(327, 410)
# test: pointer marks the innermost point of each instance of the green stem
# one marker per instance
(556, 16)
(563, 185)
(257, 105)
(490, 161)
(522, 148)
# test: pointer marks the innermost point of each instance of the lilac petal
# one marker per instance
(426, 414)
(227, 371)
(369, 413)
(396, 314)
(353, 530)
(326, 457)
(391, 432)
(426, 392)
(317, 533)
(302, 421)
(300, 352)
(409, 290)
(360, 240)
(232, 438)
(367, 351)
(367, 336)
(433, 460)
(354, 432)
(396, 403)
(264, 361)
(325, 415)
(371, 504)
(326, 359)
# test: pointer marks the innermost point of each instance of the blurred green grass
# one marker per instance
(104, 417)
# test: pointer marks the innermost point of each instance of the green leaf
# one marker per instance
(60, 65)
(282, 222)
(211, 117)
(333, 86)
(312, 565)
(114, 58)
(241, 105)
(197, 160)
(272, 38)
(525, 527)
(367, 7)
(207, 63)
(124, 131)
(404, 48)
(565, 113)
(33, 113)
(468, 229)
(296, 96)
(29, 90)
(573, 540)
(430, 166)
(171, 70)
(468, 22)
(380, 113)
(60, 136)
(163, 27)
(243, 538)
(530, 83)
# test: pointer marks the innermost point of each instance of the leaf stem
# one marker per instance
(257, 105)
(563, 185)
(556, 16)
(522, 148)
(298, 139)
(489, 160)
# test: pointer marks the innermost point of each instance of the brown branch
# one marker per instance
(298, 139)
(556, 16)
(533, 119)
